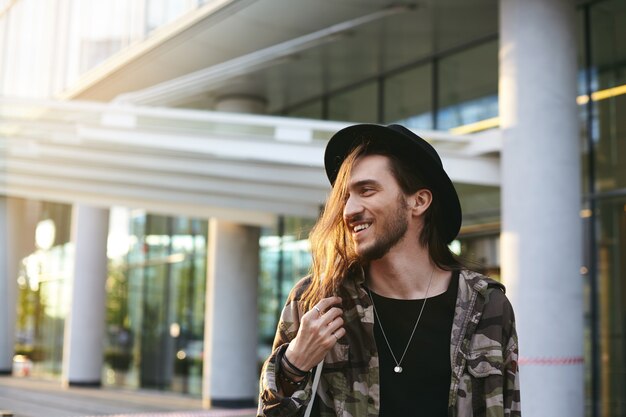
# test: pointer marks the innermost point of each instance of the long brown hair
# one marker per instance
(332, 249)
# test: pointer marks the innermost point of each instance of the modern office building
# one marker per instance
(162, 165)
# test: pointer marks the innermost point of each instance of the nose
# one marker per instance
(352, 208)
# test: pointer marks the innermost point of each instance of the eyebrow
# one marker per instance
(365, 182)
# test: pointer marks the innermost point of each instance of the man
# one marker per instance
(401, 327)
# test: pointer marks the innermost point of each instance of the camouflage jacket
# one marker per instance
(483, 354)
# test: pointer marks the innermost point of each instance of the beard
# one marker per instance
(394, 228)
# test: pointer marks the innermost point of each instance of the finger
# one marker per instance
(332, 314)
(339, 333)
(316, 312)
(335, 325)
(326, 303)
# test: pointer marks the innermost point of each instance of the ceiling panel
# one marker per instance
(358, 54)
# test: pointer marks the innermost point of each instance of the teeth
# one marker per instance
(360, 227)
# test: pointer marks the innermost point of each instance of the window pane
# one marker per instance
(284, 260)
(155, 303)
(608, 35)
(308, 111)
(408, 98)
(612, 304)
(468, 86)
(44, 288)
(357, 105)
(608, 61)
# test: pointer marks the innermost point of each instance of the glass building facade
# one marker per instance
(157, 264)
(156, 303)
(457, 89)
(603, 62)
(43, 292)
(154, 307)
(83, 35)
(451, 89)
(285, 258)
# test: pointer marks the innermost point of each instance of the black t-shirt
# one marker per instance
(423, 387)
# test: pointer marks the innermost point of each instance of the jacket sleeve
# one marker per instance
(511, 389)
(271, 402)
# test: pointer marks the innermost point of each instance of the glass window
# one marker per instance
(156, 303)
(479, 236)
(612, 304)
(312, 110)
(162, 12)
(4, 29)
(357, 105)
(608, 134)
(285, 258)
(408, 98)
(480, 251)
(608, 36)
(456, 23)
(481, 204)
(468, 86)
(44, 287)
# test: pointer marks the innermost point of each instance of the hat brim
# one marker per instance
(426, 160)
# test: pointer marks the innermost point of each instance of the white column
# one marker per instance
(8, 295)
(17, 239)
(230, 376)
(541, 241)
(85, 324)
(241, 104)
(230, 334)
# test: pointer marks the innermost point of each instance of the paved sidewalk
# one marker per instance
(29, 397)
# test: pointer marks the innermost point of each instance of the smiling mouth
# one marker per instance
(360, 227)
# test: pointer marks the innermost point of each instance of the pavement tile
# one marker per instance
(33, 397)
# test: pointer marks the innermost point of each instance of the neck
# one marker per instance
(404, 276)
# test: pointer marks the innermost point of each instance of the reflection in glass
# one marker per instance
(285, 258)
(612, 302)
(468, 86)
(44, 287)
(155, 307)
(608, 55)
(608, 141)
(408, 98)
(359, 104)
(308, 111)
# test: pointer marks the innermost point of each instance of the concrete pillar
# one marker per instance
(85, 324)
(230, 335)
(17, 239)
(230, 376)
(241, 104)
(8, 294)
(541, 241)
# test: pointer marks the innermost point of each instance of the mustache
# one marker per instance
(360, 217)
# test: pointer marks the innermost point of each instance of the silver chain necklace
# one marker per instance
(398, 368)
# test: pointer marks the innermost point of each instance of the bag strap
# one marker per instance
(316, 382)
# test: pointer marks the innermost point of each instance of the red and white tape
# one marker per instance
(545, 361)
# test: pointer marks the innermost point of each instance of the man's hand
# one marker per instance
(320, 328)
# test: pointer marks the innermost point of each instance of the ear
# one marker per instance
(420, 201)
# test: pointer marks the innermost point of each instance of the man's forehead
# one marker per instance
(371, 168)
(372, 162)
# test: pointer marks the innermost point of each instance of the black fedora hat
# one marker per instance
(407, 145)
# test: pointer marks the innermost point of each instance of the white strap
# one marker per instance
(316, 382)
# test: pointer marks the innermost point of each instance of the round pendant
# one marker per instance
(398, 369)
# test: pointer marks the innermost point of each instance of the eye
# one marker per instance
(367, 191)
